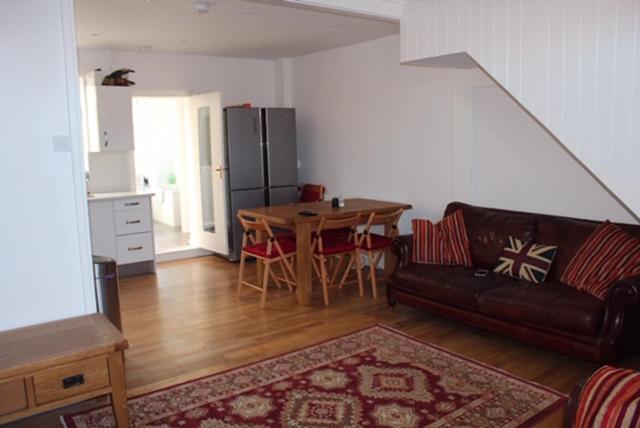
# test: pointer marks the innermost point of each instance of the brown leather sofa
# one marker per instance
(550, 315)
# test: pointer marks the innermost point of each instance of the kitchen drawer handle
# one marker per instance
(132, 221)
(134, 248)
(131, 204)
(73, 381)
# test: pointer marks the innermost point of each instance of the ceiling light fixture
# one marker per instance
(145, 48)
(200, 8)
(335, 25)
(248, 12)
(94, 35)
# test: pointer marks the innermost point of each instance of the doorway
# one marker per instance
(178, 147)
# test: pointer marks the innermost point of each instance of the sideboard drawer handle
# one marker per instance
(73, 381)
(134, 248)
(131, 204)
(133, 221)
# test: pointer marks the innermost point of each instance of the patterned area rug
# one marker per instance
(377, 377)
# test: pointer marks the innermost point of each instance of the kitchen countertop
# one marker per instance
(117, 195)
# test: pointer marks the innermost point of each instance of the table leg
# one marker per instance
(118, 389)
(259, 263)
(389, 258)
(303, 263)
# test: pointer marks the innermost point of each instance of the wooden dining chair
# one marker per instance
(373, 245)
(326, 244)
(312, 192)
(273, 250)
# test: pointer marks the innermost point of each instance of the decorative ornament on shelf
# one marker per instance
(119, 78)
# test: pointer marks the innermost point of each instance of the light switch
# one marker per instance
(62, 144)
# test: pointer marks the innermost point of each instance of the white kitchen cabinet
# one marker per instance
(122, 228)
(109, 116)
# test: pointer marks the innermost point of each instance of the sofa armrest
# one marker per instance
(401, 247)
(571, 408)
(622, 296)
(624, 293)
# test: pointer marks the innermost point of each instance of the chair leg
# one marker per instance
(336, 269)
(372, 274)
(325, 286)
(240, 274)
(359, 272)
(265, 284)
(347, 270)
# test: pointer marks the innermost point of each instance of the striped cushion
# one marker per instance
(608, 255)
(442, 243)
(610, 398)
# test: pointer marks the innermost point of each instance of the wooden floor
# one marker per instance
(185, 323)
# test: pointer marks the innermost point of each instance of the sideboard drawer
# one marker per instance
(70, 380)
(132, 221)
(13, 397)
(131, 203)
(134, 248)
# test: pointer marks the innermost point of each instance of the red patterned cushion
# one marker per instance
(610, 398)
(442, 243)
(608, 255)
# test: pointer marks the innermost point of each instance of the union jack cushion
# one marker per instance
(526, 260)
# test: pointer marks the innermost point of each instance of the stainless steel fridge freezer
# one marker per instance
(262, 162)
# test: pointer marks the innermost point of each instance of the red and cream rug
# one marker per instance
(376, 377)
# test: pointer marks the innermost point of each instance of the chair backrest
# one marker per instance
(389, 219)
(332, 223)
(251, 226)
(312, 192)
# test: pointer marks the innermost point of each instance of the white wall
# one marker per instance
(238, 80)
(45, 264)
(371, 127)
(504, 158)
(574, 64)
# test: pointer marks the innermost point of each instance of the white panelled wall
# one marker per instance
(370, 127)
(573, 64)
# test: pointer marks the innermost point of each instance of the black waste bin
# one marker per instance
(105, 274)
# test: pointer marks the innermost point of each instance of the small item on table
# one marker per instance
(335, 203)
(307, 213)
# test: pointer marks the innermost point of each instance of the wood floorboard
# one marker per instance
(185, 322)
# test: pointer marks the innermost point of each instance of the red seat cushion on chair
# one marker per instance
(285, 237)
(336, 245)
(378, 242)
(260, 250)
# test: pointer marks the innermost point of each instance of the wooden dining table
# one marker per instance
(289, 217)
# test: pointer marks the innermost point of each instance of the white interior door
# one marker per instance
(208, 204)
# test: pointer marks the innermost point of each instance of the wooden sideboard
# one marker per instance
(47, 366)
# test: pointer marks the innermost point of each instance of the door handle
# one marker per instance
(219, 170)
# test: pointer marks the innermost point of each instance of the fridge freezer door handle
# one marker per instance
(219, 170)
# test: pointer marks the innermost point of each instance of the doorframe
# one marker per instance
(77, 155)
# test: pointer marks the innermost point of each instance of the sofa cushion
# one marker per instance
(610, 399)
(567, 235)
(528, 261)
(551, 304)
(608, 255)
(445, 242)
(454, 285)
(488, 231)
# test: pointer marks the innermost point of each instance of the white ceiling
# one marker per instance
(250, 29)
